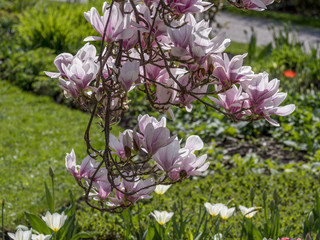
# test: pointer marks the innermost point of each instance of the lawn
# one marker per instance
(36, 133)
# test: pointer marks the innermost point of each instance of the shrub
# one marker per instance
(52, 26)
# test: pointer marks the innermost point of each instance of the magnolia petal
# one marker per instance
(92, 38)
(194, 143)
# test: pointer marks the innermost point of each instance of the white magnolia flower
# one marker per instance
(226, 212)
(40, 237)
(217, 236)
(21, 235)
(162, 217)
(248, 212)
(161, 189)
(213, 209)
(54, 221)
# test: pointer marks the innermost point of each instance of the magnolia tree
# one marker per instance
(160, 49)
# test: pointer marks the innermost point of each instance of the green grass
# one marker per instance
(36, 133)
(238, 48)
(281, 17)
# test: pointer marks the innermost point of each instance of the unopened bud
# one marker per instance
(275, 197)
(264, 195)
(251, 194)
(136, 140)
(127, 151)
(308, 237)
(311, 218)
(51, 172)
(203, 71)
(272, 205)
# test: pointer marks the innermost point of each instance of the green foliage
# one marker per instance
(26, 70)
(16, 5)
(33, 38)
(58, 26)
(37, 133)
(37, 223)
(70, 227)
(228, 178)
(287, 54)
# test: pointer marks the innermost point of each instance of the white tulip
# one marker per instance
(21, 235)
(162, 217)
(54, 221)
(161, 189)
(226, 212)
(40, 237)
(213, 209)
(248, 212)
(217, 236)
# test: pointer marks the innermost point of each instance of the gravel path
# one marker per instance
(235, 25)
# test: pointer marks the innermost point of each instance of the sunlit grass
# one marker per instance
(36, 133)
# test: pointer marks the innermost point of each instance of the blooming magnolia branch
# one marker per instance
(158, 48)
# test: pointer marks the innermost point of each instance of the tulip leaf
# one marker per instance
(50, 200)
(68, 226)
(84, 235)
(38, 224)
(72, 208)
(149, 234)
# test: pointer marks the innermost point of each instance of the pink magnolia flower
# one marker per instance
(135, 190)
(188, 6)
(230, 72)
(194, 143)
(85, 53)
(190, 165)
(155, 138)
(233, 100)
(168, 156)
(76, 72)
(81, 74)
(129, 73)
(118, 27)
(164, 93)
(165, 90)
(181, 39)
(104, 190)
(257, 5)
(187, 99)
(146, 119)
(86, 169)
(71, 164)
(192, 39)
(264, 98)
(158, 29)
(61, 59)
(123, 145)
(152, 71)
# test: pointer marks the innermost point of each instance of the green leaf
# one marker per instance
(38, 224)
(50, 200)
(72, 208)
(149, 234)
(68, 225)
(84, 235)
